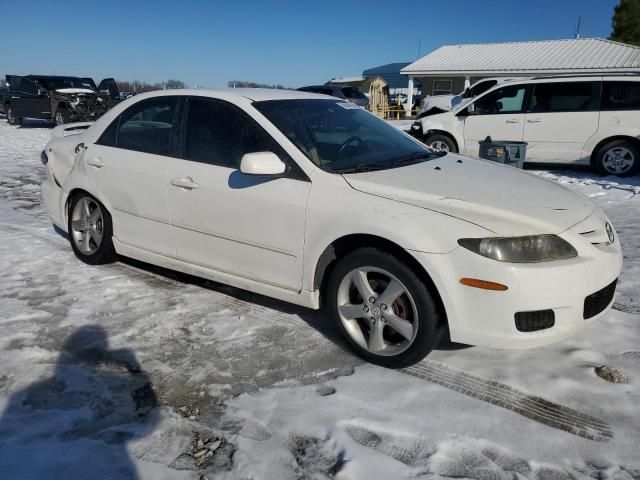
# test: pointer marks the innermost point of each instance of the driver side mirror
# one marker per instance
(42, 92)
(262, 163)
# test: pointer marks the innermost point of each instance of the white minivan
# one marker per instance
(588, 120)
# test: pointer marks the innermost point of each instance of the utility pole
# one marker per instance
(578, 28)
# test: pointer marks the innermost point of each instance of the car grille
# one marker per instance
(597, 302)
(534, 321)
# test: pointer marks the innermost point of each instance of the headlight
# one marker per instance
(530, 249)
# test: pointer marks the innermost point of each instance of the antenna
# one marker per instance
(419, 47)
(578, 28)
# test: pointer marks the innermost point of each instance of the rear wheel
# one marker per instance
(441, 143)
(386, 313)
(90, 230)
(618, 157)
(10, 117)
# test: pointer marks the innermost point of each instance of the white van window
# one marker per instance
(503, 100)
(621, 96)
(565, 97)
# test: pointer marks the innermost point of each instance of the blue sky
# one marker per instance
(293, 43)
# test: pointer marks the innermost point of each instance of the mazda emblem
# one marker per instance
(609, 229)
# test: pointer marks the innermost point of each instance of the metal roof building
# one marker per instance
(390, 73)
(451, 68)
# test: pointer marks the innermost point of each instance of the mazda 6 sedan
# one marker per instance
(312, 200)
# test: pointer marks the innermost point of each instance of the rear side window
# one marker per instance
(621, 96)
(219, 133)
(148, 126)
(565, 97)
(26, 86)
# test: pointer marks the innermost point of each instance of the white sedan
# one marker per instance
(312, 200)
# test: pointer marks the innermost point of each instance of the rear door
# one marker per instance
(128, 168)
(499, 114)
(29, 99)
(245, 225)
(561, 118)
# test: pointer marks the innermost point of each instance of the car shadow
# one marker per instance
(35, 123)
(78, 422)
(320, 320)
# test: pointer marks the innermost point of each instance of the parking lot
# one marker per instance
(191, 378)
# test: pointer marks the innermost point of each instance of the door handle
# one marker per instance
(534, 120)
(185, 182)
(96, 162)
(513, 120)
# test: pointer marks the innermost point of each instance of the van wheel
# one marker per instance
(90, 230)
(386, 313)
(10, 118)
(441, 143)
(617, 157)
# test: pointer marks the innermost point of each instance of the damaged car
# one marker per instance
(58, 98)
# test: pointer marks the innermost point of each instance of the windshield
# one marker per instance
(70, 82)
(341, 137)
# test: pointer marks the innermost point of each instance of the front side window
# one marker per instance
(350, 92)
(219, 133)
(621, 96)
(340, 137)
(503, 100)
(480, 88)
(148, 126)
(565, 97)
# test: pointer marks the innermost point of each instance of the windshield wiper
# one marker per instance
(369, 167)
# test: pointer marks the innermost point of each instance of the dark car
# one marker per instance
(351, 94)
(63, 99)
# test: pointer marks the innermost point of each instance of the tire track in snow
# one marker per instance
(502, 395)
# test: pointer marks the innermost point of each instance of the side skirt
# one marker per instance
(304, 298)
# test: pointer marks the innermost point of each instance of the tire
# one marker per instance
(617, 157)
(412, 325)
(84, 221)
(10, 118)
(62, 116)
(441, 143)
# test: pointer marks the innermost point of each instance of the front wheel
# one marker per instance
(62, 116)
(441, 143)
(90, 230)
(385, 311)
(618, 157)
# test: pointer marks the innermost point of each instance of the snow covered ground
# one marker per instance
(129, 371)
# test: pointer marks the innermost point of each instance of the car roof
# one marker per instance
(321, 86)
(253, 94)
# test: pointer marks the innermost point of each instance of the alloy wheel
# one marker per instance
(377, 311)
(87, 225)
(439, 146)
(618, 160)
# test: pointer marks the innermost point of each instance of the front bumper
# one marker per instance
(487, 318)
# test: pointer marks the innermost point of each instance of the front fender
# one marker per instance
(334, 215)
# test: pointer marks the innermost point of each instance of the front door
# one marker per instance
(499, 114)
(244, 225)
(128, 167)
(562, 117)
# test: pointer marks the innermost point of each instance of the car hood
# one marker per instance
(502, 199)
(75, 90)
